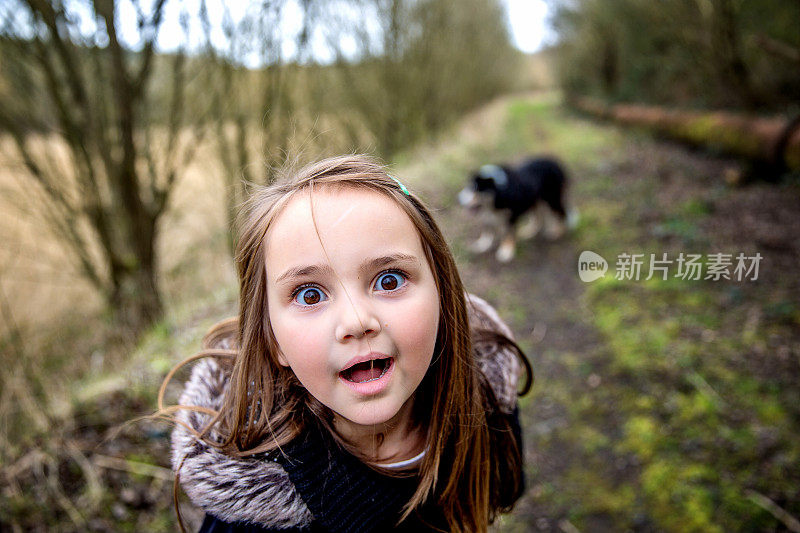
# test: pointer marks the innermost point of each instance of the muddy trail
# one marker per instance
(642, 387)
(550, 320)
(546, 295)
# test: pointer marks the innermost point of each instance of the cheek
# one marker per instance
(416, 328)
(298, 346)
(295, 339)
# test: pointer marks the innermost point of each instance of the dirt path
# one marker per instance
(615, 437)
(541, 296)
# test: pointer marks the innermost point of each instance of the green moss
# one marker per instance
(641, 435)
(520, 111)
(678, 495)
(695, 207)
(591, 439)
(695, 408)
(712, 131)
(598, 496)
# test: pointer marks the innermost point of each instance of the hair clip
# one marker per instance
(402, 187)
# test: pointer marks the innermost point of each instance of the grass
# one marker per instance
(675, 438)
(680, 434)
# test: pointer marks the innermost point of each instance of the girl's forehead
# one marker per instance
(331, 205)
(335, 220)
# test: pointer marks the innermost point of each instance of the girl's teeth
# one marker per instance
(367, 371)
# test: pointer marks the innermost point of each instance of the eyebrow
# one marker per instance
(371, 264)
(384, 260)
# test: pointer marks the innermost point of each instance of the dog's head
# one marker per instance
(482, 187)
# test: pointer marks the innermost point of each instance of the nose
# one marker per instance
(357, 320)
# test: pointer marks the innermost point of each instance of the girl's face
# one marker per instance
(353, 304)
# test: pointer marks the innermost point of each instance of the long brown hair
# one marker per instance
(469, 472)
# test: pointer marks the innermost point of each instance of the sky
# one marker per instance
(526, 19)
(527, 22)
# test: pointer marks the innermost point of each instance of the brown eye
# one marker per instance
(389, 281)
(309, 296)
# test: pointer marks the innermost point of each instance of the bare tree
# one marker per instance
(252, 104)
(419, 64)
(103, 144)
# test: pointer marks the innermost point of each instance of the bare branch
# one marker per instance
(65, 50)
(142, 76)
(173, 127)
(50, 186)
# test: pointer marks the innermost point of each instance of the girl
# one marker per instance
(359, 389)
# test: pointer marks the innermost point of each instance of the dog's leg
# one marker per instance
(483, 243)
(556, 226)
(531, 226)
(490, 222)
(505, 252)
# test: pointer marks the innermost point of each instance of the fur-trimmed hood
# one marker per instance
(258, 489)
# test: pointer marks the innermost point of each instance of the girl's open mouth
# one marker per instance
(367, 371)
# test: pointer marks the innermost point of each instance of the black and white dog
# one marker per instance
(508, 193)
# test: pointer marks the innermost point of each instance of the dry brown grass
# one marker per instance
(37, 279)
(53, 334)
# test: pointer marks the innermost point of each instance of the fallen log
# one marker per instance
(771, 141)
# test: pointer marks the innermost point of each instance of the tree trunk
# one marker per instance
(733, 74)
(104, 200)
(774, 140)
(135, 301)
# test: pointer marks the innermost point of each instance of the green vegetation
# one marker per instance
(682, 417)
(665, 405)
(679, 428)
(715, 53)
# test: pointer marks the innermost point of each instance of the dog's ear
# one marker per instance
(498, 175)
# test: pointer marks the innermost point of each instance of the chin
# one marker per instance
(371, 415)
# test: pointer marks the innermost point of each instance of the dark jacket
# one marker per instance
(313, 485)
